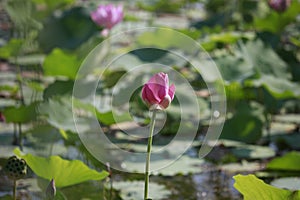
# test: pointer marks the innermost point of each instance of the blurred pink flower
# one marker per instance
(2, 117)
(157, 93)
(279, 5)
(107, 16)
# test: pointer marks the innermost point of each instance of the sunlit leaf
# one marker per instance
(64, 172)
(59, 63)
(164, 39)
(35, 86)
(225, 37)
(253, 188)
(21, 114)
(13, 89)
(12, 48)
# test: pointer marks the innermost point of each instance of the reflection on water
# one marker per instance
(211, 184)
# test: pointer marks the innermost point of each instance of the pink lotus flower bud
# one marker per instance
(51, 190)
(157, 93)
(107, 16)
(279, 5)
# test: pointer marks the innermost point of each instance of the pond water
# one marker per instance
(211, 184)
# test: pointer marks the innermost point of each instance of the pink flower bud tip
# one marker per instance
(157, 93)
(51, 190)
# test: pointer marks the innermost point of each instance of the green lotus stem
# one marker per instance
(152, 124)
(15, 190)
(20, 136)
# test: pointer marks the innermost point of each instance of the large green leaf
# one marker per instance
(253, 188)
(64, 172)
(58, 112)
(215, 39)
(246, 125)
(12, 48)
(107, 118)
(21, 13)
(252, 58)
(164, 39)
(44, 139)
(264, 59)
(68, 30)
(59, 88)
(278, 87)
(59, 63)
(234, 67)
(21, 114)
(290, 162)
(51, 5)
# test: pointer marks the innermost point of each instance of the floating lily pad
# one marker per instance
(288, 118)
(163, 165)
(226, 143)
(253, 152)
(290, 183)
(241, 167)
(279, 128)
(35, 59)
(243, 150)
(133, 190)
(30, 184)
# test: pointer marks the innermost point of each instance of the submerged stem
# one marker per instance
(15, 190)
(20, 136)
(152, 124)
